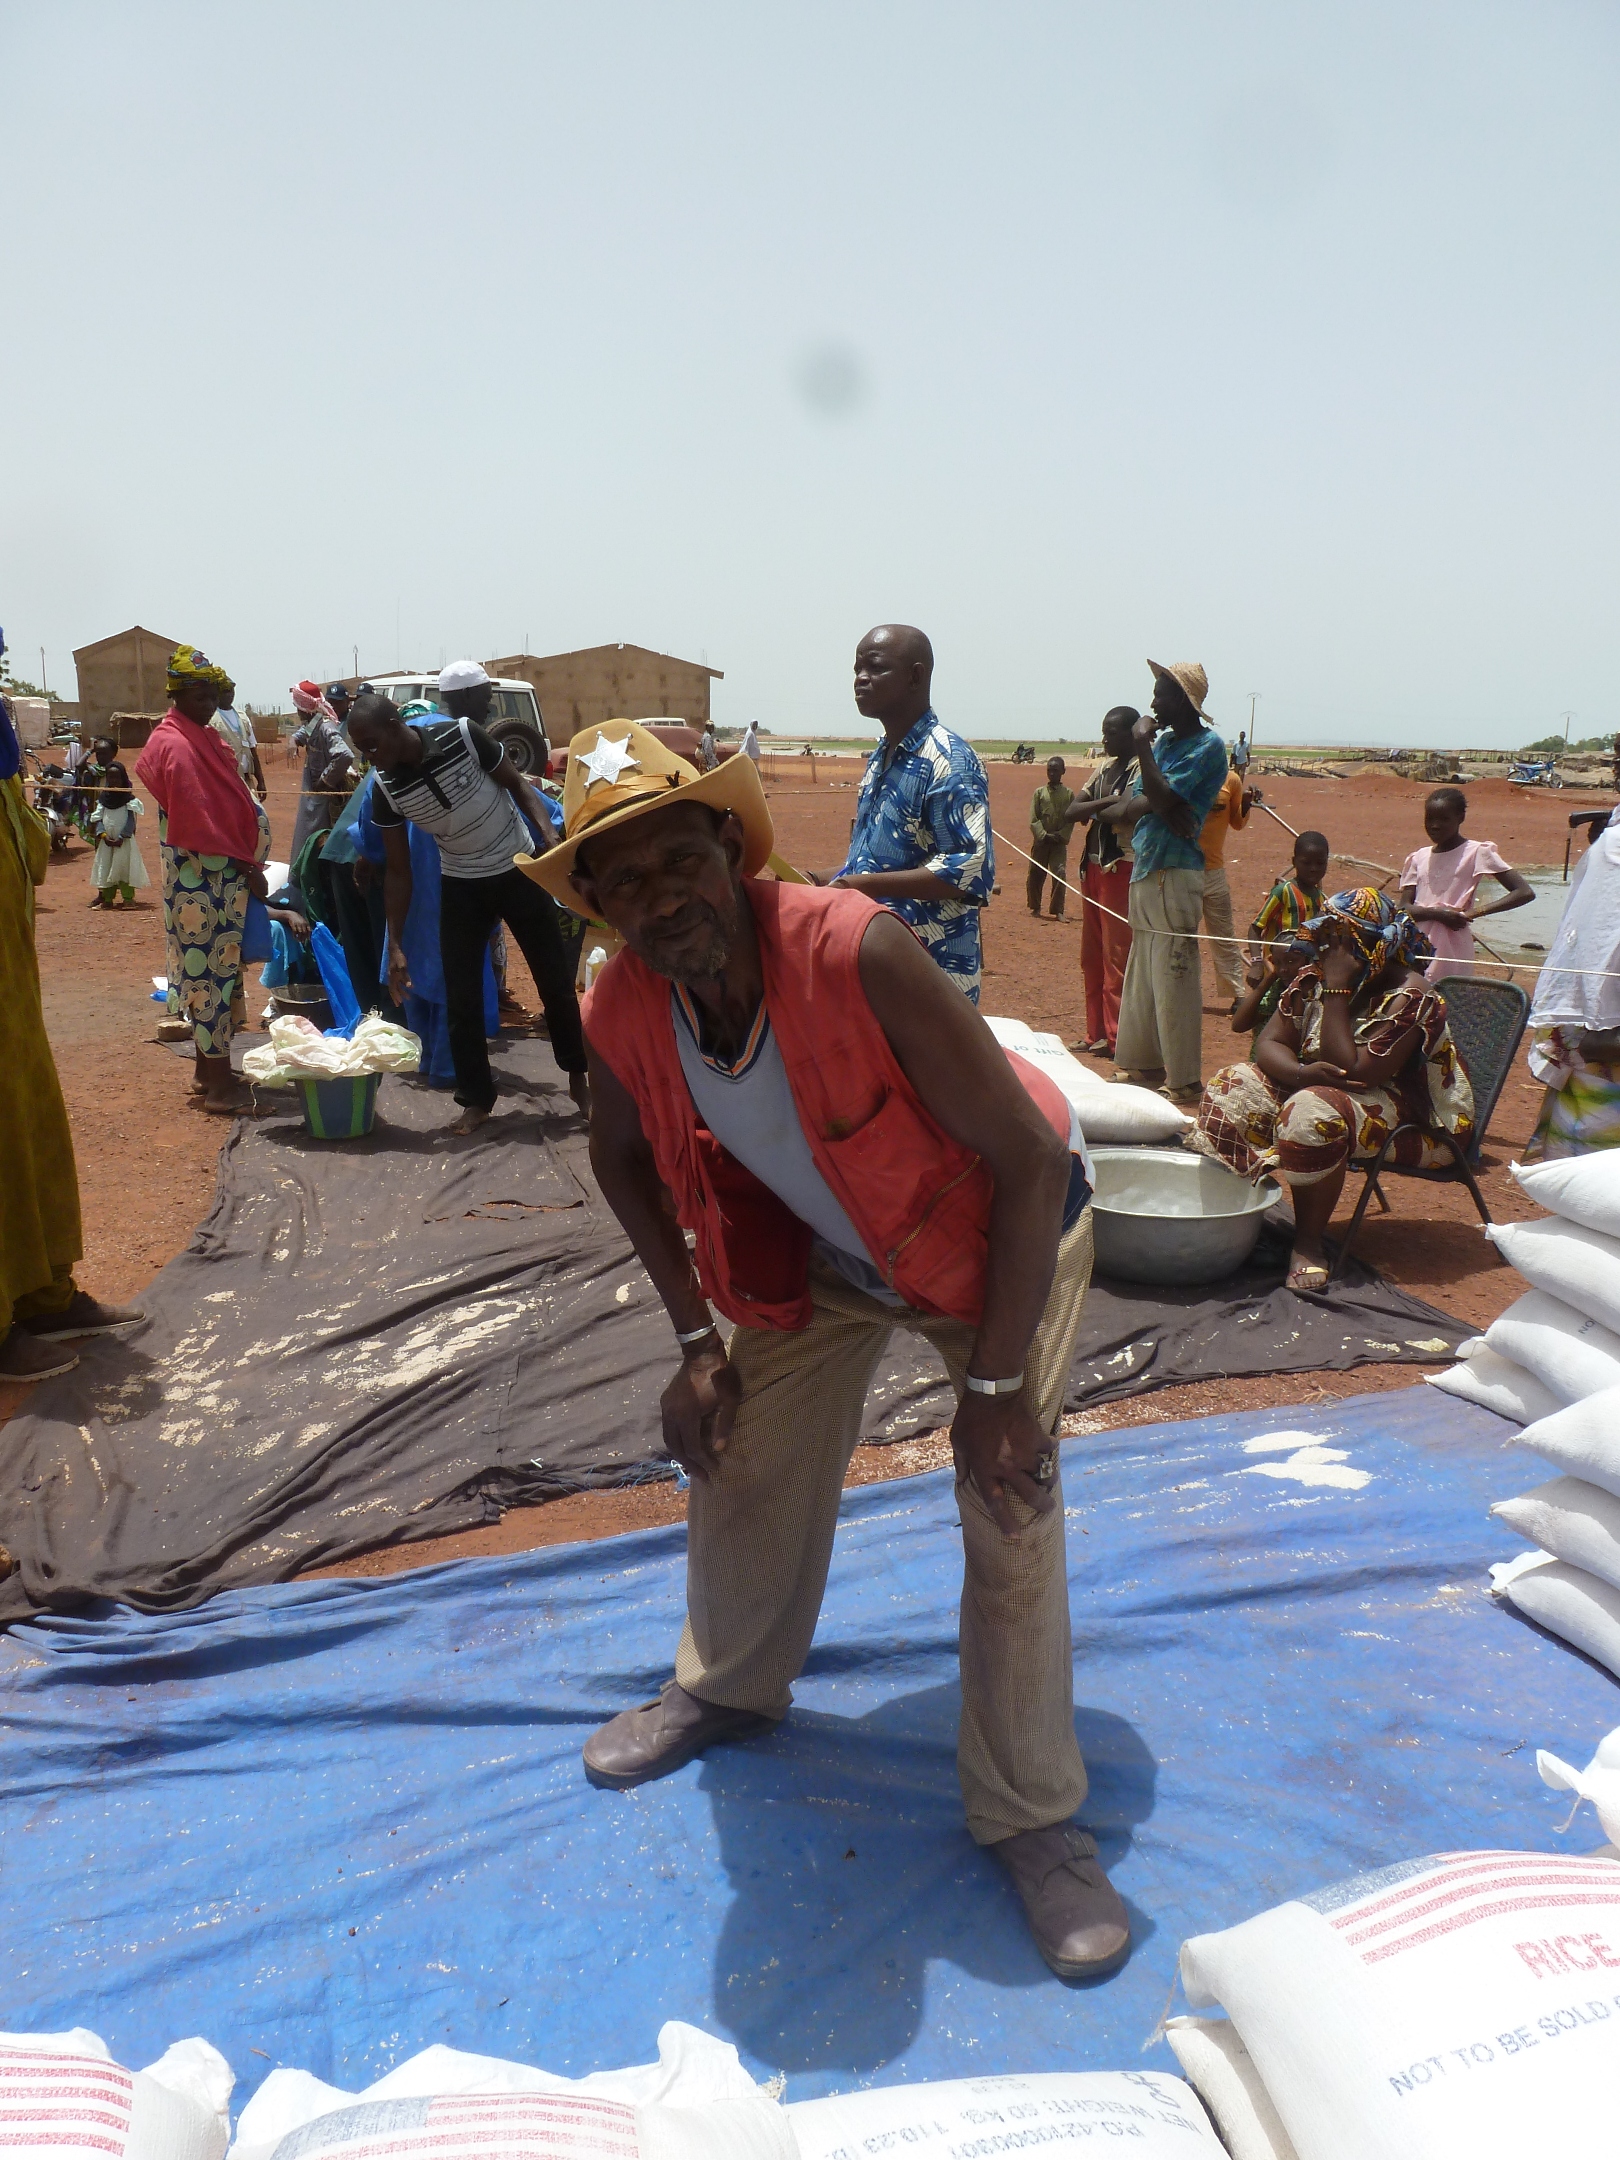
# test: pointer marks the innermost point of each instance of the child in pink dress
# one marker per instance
(1439, 882)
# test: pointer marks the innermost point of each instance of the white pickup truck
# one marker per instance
(514, 715)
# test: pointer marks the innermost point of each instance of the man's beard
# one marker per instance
(698, 959)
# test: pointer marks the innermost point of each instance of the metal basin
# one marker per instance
(1162, 1215)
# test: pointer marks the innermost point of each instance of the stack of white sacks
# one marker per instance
(1112, 1113)
(1552, 1361)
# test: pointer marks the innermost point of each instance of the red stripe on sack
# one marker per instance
(67, 2096)
(1484, 1864)
(1486, 1912)
(64, 2111)
(85, 2142)
(1461, 1896)
(58, 2066)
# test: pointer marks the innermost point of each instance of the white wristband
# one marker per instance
(993, 1387)
(695, 1335)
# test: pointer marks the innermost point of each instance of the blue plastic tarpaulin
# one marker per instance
(327, 1824)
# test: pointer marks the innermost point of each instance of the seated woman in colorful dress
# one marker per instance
(1357, 1046)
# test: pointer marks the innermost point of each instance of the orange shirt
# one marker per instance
(1227, 814)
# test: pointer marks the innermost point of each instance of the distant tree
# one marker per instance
(1547, 746)
(15, 686)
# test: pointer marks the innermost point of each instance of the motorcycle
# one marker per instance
(50, 786)
(1535, 772)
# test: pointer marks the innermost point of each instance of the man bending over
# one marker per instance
(782, 1070)
(450, 778)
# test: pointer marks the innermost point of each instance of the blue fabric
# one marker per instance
(346, 1013)
(1195, 766)
(426, 1012)
(926, 806)
(257, 942)
(10, 744)
(337, 1821)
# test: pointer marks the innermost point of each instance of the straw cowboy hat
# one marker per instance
(621, 771)
(1189, 678)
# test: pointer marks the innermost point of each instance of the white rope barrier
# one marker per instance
(1210, 937)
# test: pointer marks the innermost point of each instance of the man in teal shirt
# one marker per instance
(1183, 767)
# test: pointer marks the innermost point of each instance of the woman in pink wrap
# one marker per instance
(213, 836)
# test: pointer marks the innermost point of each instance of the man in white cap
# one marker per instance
(451, 779)
(780, 1072)
(1161, 1004)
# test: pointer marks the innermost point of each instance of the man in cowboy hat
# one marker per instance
(780, 1070)
(1161, 1006)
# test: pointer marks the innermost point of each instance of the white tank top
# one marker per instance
(751, 1112)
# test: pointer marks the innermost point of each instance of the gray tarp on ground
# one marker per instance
(401, 1336)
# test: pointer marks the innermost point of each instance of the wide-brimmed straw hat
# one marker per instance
(1189, 678)
(621, 771)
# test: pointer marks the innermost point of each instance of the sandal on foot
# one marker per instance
(1307, 1278)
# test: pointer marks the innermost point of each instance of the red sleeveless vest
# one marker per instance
(920, 1201)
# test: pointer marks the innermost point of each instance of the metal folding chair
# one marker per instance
(1487, 1021)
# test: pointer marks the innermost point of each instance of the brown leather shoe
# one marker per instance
(1075, 1914)
(640, 1745)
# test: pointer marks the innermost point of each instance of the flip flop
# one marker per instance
(1297, 1279)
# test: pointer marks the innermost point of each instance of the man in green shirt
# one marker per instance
(1049, 839)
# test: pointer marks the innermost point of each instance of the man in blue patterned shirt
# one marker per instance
(921, 843)
(1161, 1003)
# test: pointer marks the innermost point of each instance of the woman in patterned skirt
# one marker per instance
(1357, 1046)
(213, 837)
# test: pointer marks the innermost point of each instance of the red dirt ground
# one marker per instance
(147, 1156)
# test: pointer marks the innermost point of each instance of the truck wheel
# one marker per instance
(524, 745)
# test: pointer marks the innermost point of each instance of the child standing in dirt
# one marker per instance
(117, 870)
(1291, 902)
(1439, 883)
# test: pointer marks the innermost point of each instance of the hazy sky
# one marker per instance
(1283, 338)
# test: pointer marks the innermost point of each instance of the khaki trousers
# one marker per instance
(1047, 853)
(1226, 959)
(760, 1537)
(1161, 1008)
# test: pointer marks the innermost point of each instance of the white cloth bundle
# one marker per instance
(1566, 1601)
(1580, 1266)
(1570, 1353)
(1111, 1113)
(1583, 1439)
(297, 1050)
(1584, 1189)
(1485, 1377)
(1573, 1521)
(1599, 1782)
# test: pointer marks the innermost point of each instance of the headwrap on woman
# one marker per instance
(310, 700)
(188, 665)
(1380, 926)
